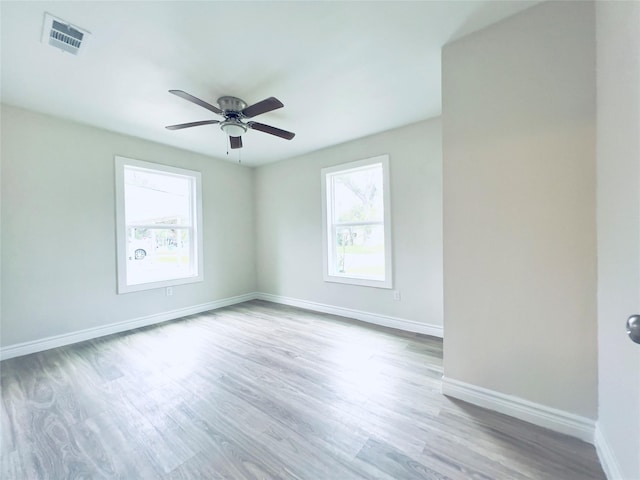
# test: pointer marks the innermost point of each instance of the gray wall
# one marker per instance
(618, 29)
(58, 228)
(519, 207)
(289, 225)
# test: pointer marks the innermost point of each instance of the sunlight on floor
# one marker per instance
(358, 371)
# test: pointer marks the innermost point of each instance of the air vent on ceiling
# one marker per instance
(61, 34)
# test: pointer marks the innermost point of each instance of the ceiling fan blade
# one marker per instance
(271, 130)
(191, 124)
(266, 105)
(236, 142)
(196, 100)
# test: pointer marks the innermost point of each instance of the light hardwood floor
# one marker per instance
(259, 390)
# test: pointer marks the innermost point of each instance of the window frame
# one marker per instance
(329, 226)
(121, 227)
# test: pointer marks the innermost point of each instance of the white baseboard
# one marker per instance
(607, 457)
(47, 343)
(541, 415)
(377, 319)
(26, 348)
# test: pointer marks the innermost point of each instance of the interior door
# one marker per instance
(618, 205)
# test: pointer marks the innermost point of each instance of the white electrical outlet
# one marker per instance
(169, 291)
(396, 295)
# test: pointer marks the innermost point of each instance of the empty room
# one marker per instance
(320, 240)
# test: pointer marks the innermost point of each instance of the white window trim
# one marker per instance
(330, 276)
(121, 240)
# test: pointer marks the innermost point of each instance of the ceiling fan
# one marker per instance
(234, 111)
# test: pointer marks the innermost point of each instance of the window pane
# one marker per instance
(359, 251)
(156, 254)
(358, 195)
(155, 198)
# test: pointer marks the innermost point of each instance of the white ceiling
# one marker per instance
(343, 70)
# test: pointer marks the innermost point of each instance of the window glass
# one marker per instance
(157, 198)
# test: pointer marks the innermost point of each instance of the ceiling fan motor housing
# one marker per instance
(230, 105)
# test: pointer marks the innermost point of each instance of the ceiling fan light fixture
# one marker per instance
(233, 128)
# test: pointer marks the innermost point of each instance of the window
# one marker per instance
(159, 225)
(357, 224)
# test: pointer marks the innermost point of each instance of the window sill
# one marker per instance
(162, 284)
(362, 282)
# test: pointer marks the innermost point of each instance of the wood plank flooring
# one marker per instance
(259, 390)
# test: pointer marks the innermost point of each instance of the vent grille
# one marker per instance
(60, 34)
